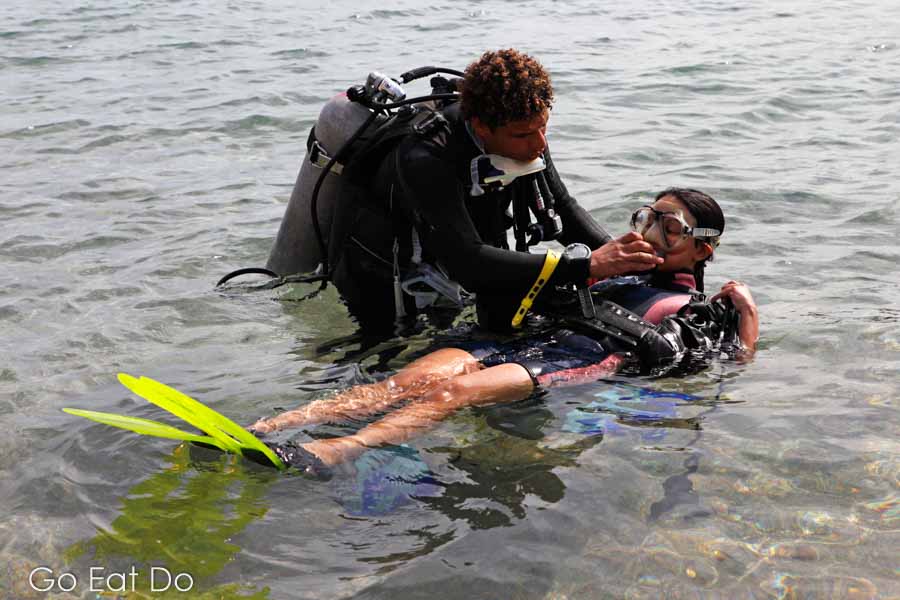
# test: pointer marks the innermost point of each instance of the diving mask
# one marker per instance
(673, 229)
(492, 171)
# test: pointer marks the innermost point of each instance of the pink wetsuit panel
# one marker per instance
(665, 307)
(672, 304)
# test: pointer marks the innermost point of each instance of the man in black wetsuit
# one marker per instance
(433, 211)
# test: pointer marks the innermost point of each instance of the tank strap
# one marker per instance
(424, 122)
(429, 125)
(320, 158)
(621, 318)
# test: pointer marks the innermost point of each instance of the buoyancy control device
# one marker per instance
(348, 124)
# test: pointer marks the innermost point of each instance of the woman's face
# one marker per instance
(685, 253)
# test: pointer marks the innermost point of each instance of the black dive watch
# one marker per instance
(580, 254)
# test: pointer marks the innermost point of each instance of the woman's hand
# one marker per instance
(748, 330)
(624, 254)
(739, 294)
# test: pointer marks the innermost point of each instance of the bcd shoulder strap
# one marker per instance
(420, 121)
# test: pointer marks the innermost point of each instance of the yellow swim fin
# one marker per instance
(221, 431)
(143, 426)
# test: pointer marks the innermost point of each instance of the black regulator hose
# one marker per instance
(246, 271)
(276, 281)
(389, 106)
(421, 72)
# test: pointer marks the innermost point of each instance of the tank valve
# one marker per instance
(380, 87)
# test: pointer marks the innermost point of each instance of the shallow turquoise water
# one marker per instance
(148, 148)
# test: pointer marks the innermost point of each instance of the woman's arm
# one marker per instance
(740, 296)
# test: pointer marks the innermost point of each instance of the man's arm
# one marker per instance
(435, 196)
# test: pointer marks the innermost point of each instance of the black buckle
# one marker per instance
(319, 157)
(432, 121)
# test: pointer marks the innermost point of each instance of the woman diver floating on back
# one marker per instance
(682, 225)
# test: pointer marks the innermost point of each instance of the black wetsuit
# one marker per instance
(425, 184)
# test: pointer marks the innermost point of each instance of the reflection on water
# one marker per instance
(183, 519)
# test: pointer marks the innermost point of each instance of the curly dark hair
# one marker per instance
(503, 86)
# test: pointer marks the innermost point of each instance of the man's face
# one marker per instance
(523, 140)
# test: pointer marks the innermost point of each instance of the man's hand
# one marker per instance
(625, 254)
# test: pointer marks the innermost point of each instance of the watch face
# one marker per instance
(576, 251)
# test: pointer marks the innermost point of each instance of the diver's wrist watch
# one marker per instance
(581, 254)
(578, 253)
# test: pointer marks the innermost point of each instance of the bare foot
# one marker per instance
(262, 426)
(333, 451)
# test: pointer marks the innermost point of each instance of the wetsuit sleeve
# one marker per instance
(436, 198)
(578, 225)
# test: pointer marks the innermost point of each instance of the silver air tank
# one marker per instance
(296, 249)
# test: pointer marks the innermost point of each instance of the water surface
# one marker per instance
(150, 147)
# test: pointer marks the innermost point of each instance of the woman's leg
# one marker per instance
(502, 383)
(416, 379)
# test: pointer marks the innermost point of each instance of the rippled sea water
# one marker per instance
(150, 147)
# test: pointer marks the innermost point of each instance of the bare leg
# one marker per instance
(503, 383)
(416, 379)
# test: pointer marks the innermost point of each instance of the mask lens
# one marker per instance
(642, 220)
(674, 229)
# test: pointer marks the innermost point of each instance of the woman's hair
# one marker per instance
(707, 212)
(504, 86)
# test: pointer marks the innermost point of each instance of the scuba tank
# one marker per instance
(344, 141)
(296, 249)
(347, 123)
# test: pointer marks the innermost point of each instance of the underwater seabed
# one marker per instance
(621, 488)
(706, 516)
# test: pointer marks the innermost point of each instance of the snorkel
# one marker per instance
(490, 171)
